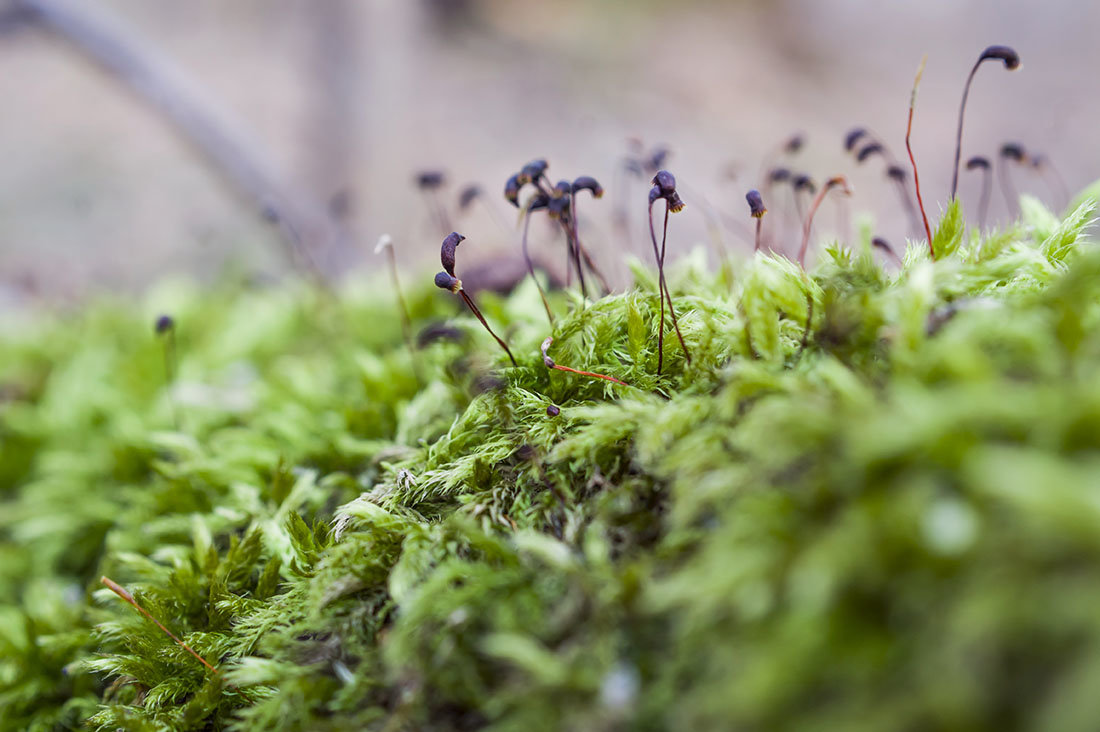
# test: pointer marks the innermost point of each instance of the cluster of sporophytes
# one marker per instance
(848, 497)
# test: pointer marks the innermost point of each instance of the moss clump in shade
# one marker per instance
(886, 517)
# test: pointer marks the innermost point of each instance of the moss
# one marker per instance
(868, 502)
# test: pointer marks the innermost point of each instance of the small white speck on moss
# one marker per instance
(950, 527)
(619, 688)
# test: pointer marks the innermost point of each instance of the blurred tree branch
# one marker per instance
(305, 225)
(333, 123)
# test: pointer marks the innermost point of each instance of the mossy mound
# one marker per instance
(885, 518)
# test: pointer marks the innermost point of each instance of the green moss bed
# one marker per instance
(885, 518)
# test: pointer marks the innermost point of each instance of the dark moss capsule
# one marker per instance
(559, 199)
(664, 186)
(486, 382)
(794, 143)
(803, 182)
(270, 214)
(534, 170)
(468, 195)
(588, 183)
(511, 190)
(438, 331)
(553, 410)
(1008, 55)
(841, 181)
(447, 251)
(428, 180)
(665, 182)
(853, 137)
(978, 163)
(778, 175)
(537, 202)
(446, 281)
(341, 204)
(525, 453)
(557, 207)
(896, 172)
(867, 151)
(1013, 151)
(164, 324)
(756, 204)
(658, 157)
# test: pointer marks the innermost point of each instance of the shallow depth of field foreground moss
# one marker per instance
(897, 527)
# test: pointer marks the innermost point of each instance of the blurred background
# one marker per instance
(144, 138)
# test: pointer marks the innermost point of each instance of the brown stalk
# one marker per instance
(663, 293)
(436, 210)
(118, 590)
(531, 267)
(660, 290)
(569, 227)
(1010, 152)
(809, 323)
(879, 243)
(1011, 61)
(585, 183)
(101, 37)
(897, 174)
(979, 163)
(473, 308)
(166, 328)
(668, 294)
(913, 161)
(714, 222)
(560, 206)
(473, 192)
(807, 225)
(385, 242)
(1054, 179)
(550, 364)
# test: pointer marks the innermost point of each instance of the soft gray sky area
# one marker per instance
(349, 99)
